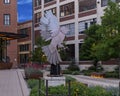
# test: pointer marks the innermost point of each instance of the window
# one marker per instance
(7, 1)
(24, 31)
(71, 28)
(46, 1)
(6, 19)
(85, 5)
(83, 25)
(67, 9)
(117, 1)
(24, 58)
(53, 11)
(104, 2)
(37, 17)
(24, 47)
(37, 3)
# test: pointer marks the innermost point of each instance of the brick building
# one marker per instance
(8, 23)
(24, 44)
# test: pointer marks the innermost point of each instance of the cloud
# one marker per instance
(21, 2)
(24, 10)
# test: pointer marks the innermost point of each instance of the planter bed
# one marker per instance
(4, 65)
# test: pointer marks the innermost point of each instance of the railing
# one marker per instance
(46, 91)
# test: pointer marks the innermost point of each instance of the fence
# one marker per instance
(46, 91)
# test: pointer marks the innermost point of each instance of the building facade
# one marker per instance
(8, 23)
(77, 15)
(24, 44)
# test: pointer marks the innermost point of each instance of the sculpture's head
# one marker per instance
(48, 14)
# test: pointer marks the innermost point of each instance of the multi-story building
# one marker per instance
(77, 15)
(8, 24)
(24, 44)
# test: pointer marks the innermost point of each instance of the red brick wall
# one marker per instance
(28, 25)
(69, 38)
(67, 18)
(50, 3)
(82, 36)
(12, 10)
(87, 13)
(27, 38)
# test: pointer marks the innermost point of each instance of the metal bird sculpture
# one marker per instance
(51, 30)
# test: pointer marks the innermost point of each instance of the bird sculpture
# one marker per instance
(51, 30)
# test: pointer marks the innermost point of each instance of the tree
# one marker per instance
(92, 38)
(108, 47)
(108, 33)
(37, 55)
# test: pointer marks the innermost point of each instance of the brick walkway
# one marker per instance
(12, 83)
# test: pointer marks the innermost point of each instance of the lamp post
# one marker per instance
(33, 33)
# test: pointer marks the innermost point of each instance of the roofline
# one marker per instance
(20, 23)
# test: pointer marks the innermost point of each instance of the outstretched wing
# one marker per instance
(44, 28)
(49, 26)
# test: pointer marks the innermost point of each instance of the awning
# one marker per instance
(11, 36)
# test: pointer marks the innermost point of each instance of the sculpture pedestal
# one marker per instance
(55, 81)
(55, 69)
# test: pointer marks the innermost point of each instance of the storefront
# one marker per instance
(5, 38)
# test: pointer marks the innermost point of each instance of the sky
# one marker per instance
(24, 8)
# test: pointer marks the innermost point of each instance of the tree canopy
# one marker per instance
(103, 41)
(109, 44)
(90, 40)
(37, 55)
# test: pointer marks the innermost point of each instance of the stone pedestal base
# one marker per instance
(55, 81)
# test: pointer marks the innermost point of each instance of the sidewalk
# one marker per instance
(96, 81)
(12, 83)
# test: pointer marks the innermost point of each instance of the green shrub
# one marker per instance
(67, 72)
(58, 90)
(77, 89)
(32, 83)
(76, 73)
(73, 68)
(96, 68)
(31, 72)
(99, 69)
(92, 68)
(68, 78)
(112, 74)
(34, 91)
(98, 91)
(88, 72)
